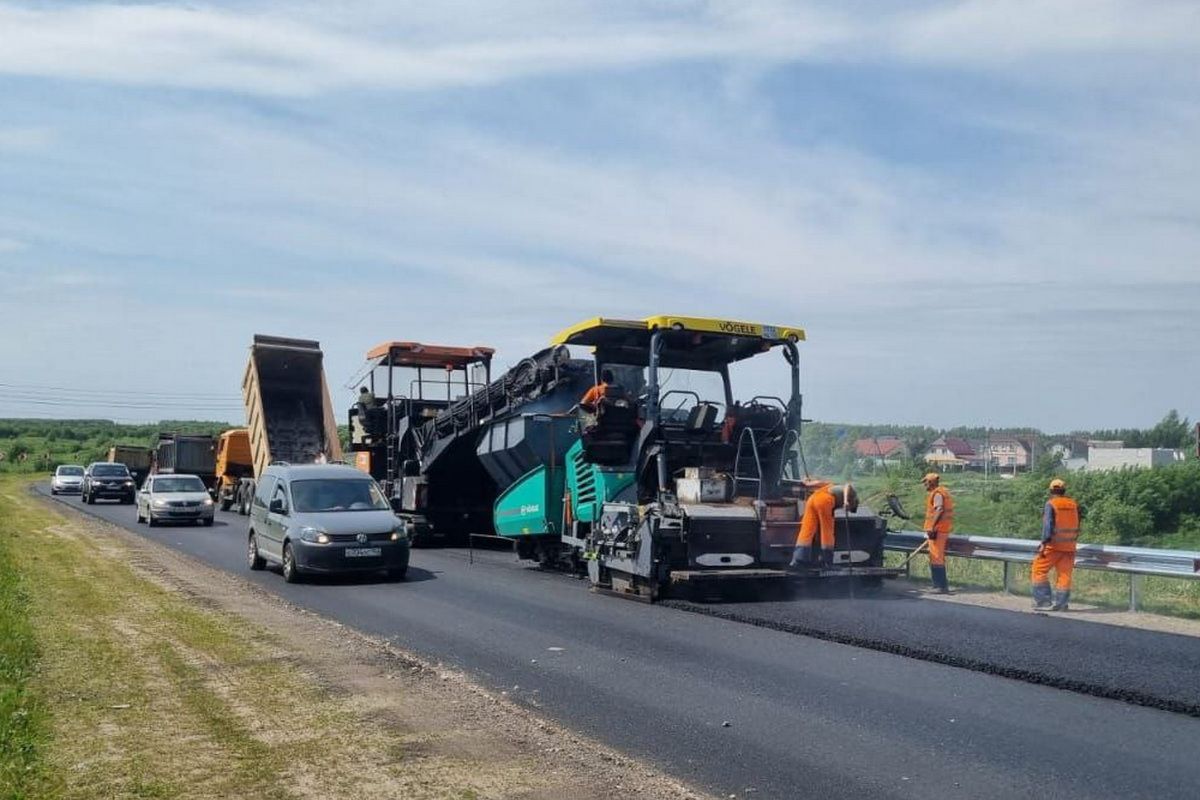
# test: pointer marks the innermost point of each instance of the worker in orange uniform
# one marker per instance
(601, 390)
(1060, 532)
(939, 521)
(818, 517)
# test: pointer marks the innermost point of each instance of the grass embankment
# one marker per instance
(117, 685)
(23, 723)
(1008, 507)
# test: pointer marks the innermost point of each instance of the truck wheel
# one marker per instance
(290, 573)
(226, 503)
(253, 559)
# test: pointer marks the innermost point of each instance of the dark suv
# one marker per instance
(103, 479)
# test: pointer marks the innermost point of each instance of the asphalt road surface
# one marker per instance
(759, 708)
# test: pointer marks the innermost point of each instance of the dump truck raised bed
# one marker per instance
(289, 417)
(190, 454)
(235, 470)
(658, 487)
(137, 458)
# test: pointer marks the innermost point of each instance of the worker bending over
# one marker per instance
(818, 517)
(1060, 532)
(939, 522)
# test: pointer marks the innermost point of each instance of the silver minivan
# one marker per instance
(324, 518)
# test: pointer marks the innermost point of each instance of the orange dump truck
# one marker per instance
(235, 470)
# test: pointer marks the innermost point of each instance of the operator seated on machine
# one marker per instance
(605, 392)
(365, 406)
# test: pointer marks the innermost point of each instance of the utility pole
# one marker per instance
(987, 452)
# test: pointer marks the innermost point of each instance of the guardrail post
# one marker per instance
(1007, 587)
(1135, 586)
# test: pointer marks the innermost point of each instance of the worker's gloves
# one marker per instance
(930, 535)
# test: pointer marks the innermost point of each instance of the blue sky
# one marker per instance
(982, 212)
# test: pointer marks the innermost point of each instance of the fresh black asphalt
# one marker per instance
(733, 707)
(1149, 668)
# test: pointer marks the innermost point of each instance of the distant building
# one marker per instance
(880, 450)
(1010, 452)
(950, 452)
(1103, 458)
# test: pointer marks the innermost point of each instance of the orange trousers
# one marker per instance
(937, 549)
(1061, 561)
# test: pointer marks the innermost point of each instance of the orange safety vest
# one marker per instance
(945, 523)
(1066, 522)
(594, 395)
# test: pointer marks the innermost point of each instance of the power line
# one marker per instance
(33, 387)
(102, 403)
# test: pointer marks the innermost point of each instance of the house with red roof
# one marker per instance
(880, 449)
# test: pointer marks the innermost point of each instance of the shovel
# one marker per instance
(924, 545)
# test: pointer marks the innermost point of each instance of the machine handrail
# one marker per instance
(737, 459)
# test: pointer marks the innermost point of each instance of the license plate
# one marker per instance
(364, 552)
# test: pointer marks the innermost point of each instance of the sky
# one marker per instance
(982, 212)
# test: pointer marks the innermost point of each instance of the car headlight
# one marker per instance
(159, 503)
(129, 483)
(207, 502)
(314, 536)
(400, 531)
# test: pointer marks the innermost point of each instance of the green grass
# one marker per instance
(23, 724)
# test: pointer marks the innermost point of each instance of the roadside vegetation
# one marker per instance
(32, 446)
(23, 719)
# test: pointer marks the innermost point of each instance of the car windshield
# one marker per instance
(338, 494)
(70, 471)
(181, 484)
(110, 471)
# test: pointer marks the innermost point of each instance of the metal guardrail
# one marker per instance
(1135, 562)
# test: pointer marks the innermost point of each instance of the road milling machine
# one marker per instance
(659, 487)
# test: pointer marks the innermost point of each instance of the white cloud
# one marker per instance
(296, 49)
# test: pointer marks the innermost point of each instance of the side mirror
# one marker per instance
(276, 506)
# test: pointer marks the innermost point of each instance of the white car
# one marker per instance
(68, 479)
(174, 498)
